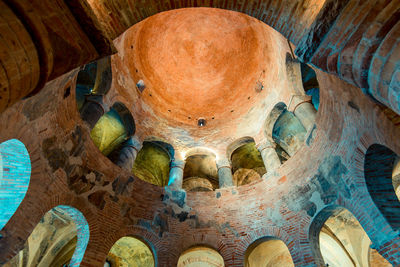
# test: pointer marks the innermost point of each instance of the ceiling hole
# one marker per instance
(212, 118)
(137, 71)
(150, 95)
(232, 110)
(140, 85)
(169, 110)
(201, 122)
(131, 46)
(248, 97)
(189, 118)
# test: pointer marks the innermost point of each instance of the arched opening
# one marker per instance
(130, 251)
(285, 130)
(201, 256)
(59, 239)
(152, 163)
(338, 239)
(85, 83)
(288, 132)
(93, 82)
(15, 173)
(200, 172)
(381, 176)
(310, 83)
(113, 128)
(247, 163)
(268, 252)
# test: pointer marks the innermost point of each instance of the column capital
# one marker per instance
(224, 163)
(134, 142)
(178, 163)
(265, 143)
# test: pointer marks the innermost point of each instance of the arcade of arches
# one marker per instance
(200, 133)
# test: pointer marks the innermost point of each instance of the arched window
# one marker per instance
(310, 84)
(286, 130)
(130, 251)
(200, 172)
(59, 239)
(93, 82)
(338, 239)
(379, 168)
(15, 173)
(93, 79)
(269, 252)
(247, 163)
(200, 256)
(152, 163)
(113, 128)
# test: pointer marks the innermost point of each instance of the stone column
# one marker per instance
(225, 177)
(304, 110)
(269, 155)
(92, 109)
(127, 155)
(176, 174)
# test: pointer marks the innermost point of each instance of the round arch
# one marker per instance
(272, 117)
(337, 238)
(268, 251)
(152, 163)
(15, 172)
(238, 143)
(200, 254)
(378, 173)
(63, 235)
(82, 228)
(132, 250)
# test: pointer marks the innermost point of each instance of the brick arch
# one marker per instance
(383, 238)
(378, 167)
(152, 241)
(315, 228)
(83, 233)
(237, 144)
(15, 174)
(272, 118)
(252, 237)
(388, 248)
(30, 211)
(210, 240)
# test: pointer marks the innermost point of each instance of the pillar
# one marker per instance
(127, 155)
(224, 173)
(92, 109)
(269, 155)
(176, 174)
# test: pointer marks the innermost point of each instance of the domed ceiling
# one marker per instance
(200, 77)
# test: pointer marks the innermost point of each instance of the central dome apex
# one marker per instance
(194, 64)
